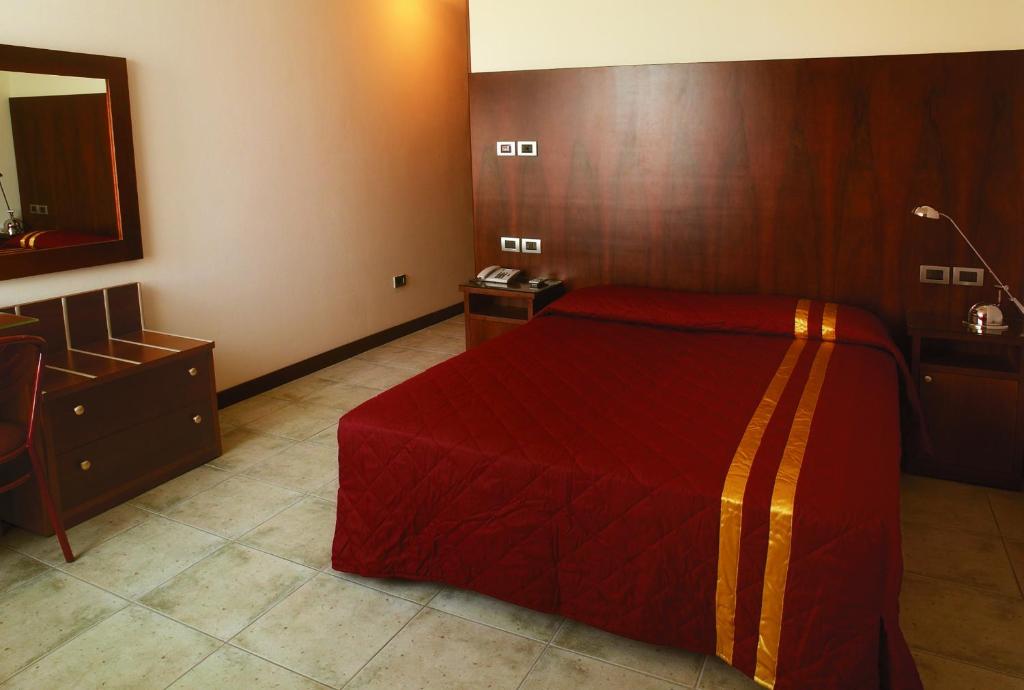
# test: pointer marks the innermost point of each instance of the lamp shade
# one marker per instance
(926, 212)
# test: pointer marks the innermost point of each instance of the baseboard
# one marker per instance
(262, 384)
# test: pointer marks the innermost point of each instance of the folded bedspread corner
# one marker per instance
(716, 473)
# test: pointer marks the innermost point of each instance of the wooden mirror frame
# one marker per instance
(126, 196)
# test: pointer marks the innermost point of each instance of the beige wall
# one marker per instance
(8, 164)
(22, 84)
(292, 156)
(540, 34)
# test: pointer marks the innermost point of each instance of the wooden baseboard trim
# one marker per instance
(262, 384)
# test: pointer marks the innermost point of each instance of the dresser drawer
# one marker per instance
(123, 460)
(78, 418)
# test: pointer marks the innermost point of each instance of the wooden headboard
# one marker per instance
(779, 176)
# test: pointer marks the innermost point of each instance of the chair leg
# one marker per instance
(51, 510)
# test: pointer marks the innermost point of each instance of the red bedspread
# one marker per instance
(716, 473)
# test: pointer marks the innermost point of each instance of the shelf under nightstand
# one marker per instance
(491, 310)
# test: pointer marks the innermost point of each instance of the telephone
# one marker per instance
(497, 274)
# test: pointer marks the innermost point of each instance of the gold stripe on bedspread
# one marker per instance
(780, 530)
(801, 320)
(828, 322)
(731, 520)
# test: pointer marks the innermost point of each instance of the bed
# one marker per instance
(717, 473)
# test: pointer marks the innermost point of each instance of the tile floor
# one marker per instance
(221, 578)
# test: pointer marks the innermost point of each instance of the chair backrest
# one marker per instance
(21, 366)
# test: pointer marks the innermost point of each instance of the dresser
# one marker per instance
(124, 408)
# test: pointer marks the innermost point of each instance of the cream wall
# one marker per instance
(22, 84)
(292, 156)
(541, 34)
(8, 164)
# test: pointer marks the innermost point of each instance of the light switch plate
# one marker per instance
(968, 276)
(531, 246)
(510, 244)
(505, 148)
(526, 148)
(938, 275)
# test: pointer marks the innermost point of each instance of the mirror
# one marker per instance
(67, 166)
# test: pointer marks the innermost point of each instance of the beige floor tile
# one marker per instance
(327, 629)
(946, 504)
(380, 376)
(301, 533)
(300, 388)
(963, 623)
(139, 559)
(233, 507)
(718, 675)
(252, 409)
(46, 612)
(436, 651)
(1016, 551)
(229, 667)
(227, 591)
(665, 662)
(974, 559)
(297, 421)
(392, 355)
(16, 569)
(413, 590)
(1009, 509)
(178, 489)
(342, 396)
(328, 437)
(558, 669)
(83, 537)
(434, 341)
(301, 467)
(343, 371)
(134, 648)
(497, 613)
(938, 673)
(329, 491)
(244, 448)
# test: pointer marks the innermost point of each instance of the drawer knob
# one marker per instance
(927, 379)
(79, 410)
(193, 371)
(198, 419)
(85, 465)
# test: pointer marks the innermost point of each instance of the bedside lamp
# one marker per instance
(12, 226)
(983, 316)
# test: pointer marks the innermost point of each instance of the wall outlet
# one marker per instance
(531, 246)
(968, 276)
(398, 281)
(935, 274)
(506, 148)
(510, 244)
(39, 209)
(526, 148)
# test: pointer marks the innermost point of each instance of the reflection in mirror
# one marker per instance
(56, 162)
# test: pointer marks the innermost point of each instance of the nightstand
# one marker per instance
(491, 310)
(972, 394)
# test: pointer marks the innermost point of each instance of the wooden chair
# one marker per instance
(21, 368)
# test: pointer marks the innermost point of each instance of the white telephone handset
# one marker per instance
(498, 275)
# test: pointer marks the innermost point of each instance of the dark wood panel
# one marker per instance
(65, 162)
(786, 176)
(125, 309)
(87, 318)
(51, 323)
